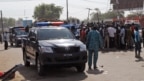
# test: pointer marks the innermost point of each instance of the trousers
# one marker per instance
(92, 55)
(5, 45)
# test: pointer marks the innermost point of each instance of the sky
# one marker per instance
(77, 8)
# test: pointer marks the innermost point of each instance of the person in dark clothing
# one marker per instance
(122, 37)
(27, 29)
(93, 44)
(0, 38)
(73, 30)
(5, 40)
(143, 36)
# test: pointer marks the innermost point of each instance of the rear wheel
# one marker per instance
(40, 68)
(25, 58)
(16, 44)
(80, 68)
(11, 44)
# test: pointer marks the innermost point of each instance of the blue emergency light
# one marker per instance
(48, 24)
(67, 25)
(42, 24)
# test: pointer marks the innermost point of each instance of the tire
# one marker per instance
(11, 44)
(16, 44)
(40, 68)
(25, 59)
(80, 68)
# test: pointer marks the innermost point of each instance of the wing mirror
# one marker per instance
(32, 39)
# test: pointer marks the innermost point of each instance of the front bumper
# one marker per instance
(63, 59)
(19, 41)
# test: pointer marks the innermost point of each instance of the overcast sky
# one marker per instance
(77, 8)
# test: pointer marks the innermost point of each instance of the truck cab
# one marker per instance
(16, 35)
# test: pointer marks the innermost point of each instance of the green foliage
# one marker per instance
(47, 11)
(73, 20)
(136, 13)
(96, 16)
(8, 22)
(107, 15)
(110, 14)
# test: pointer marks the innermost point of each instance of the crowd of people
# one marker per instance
(105, 36)
(113, 35)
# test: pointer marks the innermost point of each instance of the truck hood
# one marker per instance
(21, 36)
(60, 42)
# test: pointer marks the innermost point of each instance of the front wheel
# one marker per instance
(11, 44)
(80, 67)
(16, 44)
(40, 68)
(25, 58)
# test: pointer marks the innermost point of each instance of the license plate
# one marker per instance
(67, 55)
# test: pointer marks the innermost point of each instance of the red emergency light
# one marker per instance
(49, 23)
(57, 23)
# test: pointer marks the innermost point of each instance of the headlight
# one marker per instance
(83, 48)
(18, 38)
(46, 49)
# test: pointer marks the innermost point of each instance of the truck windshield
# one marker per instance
(20, 31)
(50, 34)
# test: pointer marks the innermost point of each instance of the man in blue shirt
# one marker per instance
(93, 43)
(137, 43)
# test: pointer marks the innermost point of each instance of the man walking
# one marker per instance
(93, 43)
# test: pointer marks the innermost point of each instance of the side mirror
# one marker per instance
(32, 39)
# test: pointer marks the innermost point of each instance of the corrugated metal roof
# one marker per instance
(127, 4)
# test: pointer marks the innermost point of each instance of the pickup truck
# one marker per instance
(16, 35)
(53, 46)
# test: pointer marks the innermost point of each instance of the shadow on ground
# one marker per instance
(96, 71)
(53, 74)
(106, 50)
(139, 59)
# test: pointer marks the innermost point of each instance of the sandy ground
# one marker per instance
(113, 65)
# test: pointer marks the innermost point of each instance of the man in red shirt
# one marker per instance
(83, 35)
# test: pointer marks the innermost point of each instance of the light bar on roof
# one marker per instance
(42, 23)
(49, 23)
(57, 23)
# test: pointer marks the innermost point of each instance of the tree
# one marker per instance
(135, 13)
(113, 14)
(8, 22)
(11, 21)
(20, 19)
(74, 20)
(47, 11)
(96, 16)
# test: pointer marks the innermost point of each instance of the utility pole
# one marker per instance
(98, 17)
(89, 9)
(117, 2)
(97, 10)
(2, 22)
(67, 9)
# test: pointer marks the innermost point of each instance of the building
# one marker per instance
(127, 4)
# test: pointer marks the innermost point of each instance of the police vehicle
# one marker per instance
(51, 45)
(16, 35)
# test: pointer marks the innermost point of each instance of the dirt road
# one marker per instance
(113, 65)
